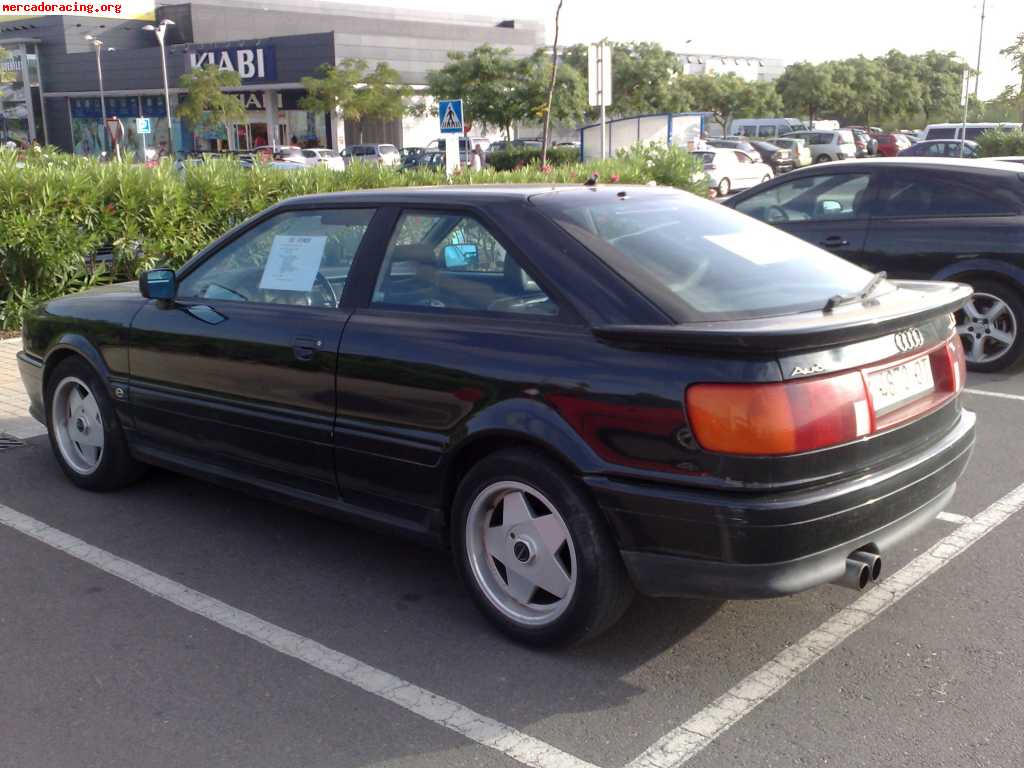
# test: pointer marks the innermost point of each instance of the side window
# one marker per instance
(811, 198)
(447, 260)
(916, 195)
(743, 157)
(298, 257)
(766, 131)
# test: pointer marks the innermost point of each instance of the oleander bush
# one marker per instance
(517, 157)
(1001, 143)
(57, 211)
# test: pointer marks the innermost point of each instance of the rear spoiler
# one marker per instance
(912, 303)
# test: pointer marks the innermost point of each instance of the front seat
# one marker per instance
(412, 275)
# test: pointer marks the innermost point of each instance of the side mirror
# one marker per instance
(161, 284)
(831, 206)
(459, 256)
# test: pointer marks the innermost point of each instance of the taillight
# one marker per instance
(807, 414)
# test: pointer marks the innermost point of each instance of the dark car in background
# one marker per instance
(425, 158)
(581, 390)
(922, 219)
(941, 148)
(742, 143)
(781, 160)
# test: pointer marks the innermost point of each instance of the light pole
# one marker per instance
(97, 44)
(160, 30)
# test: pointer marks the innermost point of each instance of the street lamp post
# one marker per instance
(97, 44)
(160, 30)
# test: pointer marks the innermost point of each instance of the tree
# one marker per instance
(904, 90)
(806, 88)
(487, 80)
(551, 90)
(940, 75)
(536, 74)
(643, 81)
(728, 96)
(349, 90)
(206, 105)
(1016, 53)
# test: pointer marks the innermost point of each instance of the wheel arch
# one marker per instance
(983, 269)
(72, 345)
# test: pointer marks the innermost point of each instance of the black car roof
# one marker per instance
(965, 165)
(469, 194)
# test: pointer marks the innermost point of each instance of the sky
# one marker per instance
(786, 31)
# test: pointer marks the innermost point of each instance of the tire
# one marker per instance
(100, 460)
(990, 326)
(766, 179)
(822, 159)
(503, 554)
(724, 187)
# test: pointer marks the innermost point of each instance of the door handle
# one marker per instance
(834, 241)
(304, 347)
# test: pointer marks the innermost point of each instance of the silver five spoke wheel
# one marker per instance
(78, 426)
(987, 327)
(521, 553)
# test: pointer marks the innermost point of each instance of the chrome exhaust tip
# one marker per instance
(856, 576)
(871, 560)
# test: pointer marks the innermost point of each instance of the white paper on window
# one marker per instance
(293, 264)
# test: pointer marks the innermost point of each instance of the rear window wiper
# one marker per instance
(862, 295)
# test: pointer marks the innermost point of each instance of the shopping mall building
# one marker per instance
(271, 44)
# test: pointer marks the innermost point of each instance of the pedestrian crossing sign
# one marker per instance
(450, 113)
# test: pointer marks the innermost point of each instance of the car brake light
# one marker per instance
(808, 414)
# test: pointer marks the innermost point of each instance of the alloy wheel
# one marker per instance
(988, 328)
(77, 425)
(521, 553)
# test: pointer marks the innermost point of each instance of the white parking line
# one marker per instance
(952, 517)
(437, 709)
(694, 735)
(1003, 395)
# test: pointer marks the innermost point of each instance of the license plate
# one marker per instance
(899, 385)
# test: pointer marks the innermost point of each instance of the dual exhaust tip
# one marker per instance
(862, 567)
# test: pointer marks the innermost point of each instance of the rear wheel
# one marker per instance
(85, 434)
(724, 187)
(822, 158)
(535, 553)
(989, 326)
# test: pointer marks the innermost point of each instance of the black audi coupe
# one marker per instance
(582, 391)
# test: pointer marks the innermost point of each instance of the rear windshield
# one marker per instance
(941, 133)
(699, 260)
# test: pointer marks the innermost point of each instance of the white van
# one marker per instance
(974, 130)
(764, 127)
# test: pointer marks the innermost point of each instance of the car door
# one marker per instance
(238, 373)
(828, 209)
(745, 169)
(925, 219)
(449, 320)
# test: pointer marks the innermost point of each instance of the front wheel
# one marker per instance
(724, 187)
(535, 553)
(822, 159)
(85, 434)
(989, 327)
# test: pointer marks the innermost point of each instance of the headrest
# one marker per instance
(419, 253)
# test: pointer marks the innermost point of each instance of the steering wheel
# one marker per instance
(773, 213)
(323, 293)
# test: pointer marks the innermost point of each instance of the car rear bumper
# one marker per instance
(687, 542)
(31, 369)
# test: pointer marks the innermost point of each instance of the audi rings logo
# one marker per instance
(909, 339)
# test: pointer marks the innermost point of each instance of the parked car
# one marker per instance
(781, 160)
(582, 391)
(736, 142)
(466, 147)
(504, 146)
(329, 157)
(866, 146)
(941, 148)
(406, 152)
(922, 219)
(285, 154)
(798, 148)
(956, 130)
(765, 127)
(828, 145)
(891, 144)
(381, 154)
(428, 158)
(731, 169)
(1009, 158)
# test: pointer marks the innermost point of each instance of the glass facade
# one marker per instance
(89, 137)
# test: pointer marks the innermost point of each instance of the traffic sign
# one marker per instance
(449, 111)
(142, 125)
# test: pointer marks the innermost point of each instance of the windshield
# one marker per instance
(699, 260)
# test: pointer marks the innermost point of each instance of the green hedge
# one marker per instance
(57, 210)
(508, 159)
(1001, 143)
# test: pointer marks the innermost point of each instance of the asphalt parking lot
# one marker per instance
(185, 624)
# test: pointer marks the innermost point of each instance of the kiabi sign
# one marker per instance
(253, 65)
